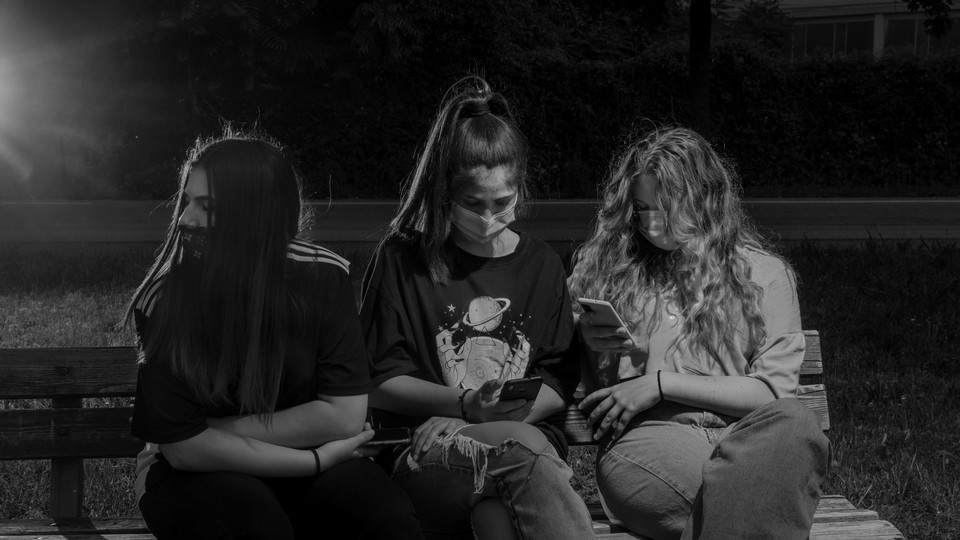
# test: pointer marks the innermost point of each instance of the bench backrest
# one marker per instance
(68, 430)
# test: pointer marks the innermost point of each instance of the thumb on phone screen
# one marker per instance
(489, 389)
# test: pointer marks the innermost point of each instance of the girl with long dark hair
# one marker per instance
(253, 381)
(456, 303)
(694, 403)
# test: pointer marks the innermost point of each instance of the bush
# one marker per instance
(581, 82)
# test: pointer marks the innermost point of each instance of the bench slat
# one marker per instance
(873, 530)
(68, 372)
(23, 527)
(57, 433)
(835, 518)
(72, 536)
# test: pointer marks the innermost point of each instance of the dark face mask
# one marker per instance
(194, 241)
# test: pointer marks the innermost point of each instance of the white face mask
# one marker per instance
(653, 227)
(478, 229)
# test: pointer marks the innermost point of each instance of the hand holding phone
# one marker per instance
(527, 389)
(601, 312)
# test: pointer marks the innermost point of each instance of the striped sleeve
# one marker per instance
(303, 251)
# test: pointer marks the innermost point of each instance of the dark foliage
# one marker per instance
(350, 88)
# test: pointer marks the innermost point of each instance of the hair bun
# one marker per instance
(472, 109)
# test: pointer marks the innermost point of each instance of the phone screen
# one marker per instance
(521, 389)
(603, 313)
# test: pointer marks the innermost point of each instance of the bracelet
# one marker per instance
(659, 386)
(463, 406)
(316, 458)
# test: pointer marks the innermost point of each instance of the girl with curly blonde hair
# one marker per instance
(694, 401)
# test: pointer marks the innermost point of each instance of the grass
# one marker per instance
(888, 314)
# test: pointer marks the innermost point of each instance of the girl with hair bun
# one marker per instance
(456, 303)
(694, 401)
(253, 378)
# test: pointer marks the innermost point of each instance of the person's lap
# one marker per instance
(678, 470)
(479, 463)
(649, 479)
(187, 505)
(355, 499)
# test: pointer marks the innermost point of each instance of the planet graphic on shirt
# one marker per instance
(485, 313)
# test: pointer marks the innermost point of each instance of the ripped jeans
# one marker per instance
(458, 471)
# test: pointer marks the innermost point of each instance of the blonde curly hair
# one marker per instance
(709, 277)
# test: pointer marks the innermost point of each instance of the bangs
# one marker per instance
(488, 141)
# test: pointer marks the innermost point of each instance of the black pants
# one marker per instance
(354, 499)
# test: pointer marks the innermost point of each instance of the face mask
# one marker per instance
(194, 241)
(653, 227)
(478, 229)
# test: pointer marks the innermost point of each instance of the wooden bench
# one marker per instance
(67, 432)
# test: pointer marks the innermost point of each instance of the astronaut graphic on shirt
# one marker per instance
(481, 342)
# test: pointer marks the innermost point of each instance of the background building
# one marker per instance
(839, 27)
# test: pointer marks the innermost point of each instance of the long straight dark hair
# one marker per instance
(474, 127)
(221, 322)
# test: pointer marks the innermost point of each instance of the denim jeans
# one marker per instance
(354, 499)
(682, 472)
(457, 472)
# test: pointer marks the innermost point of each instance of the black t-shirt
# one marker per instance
(326, 357)
(508, 313)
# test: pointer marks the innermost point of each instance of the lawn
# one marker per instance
(888, 314)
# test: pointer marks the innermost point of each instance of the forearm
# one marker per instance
(411, 396)
(307, 425)
(548, 402)
(219, 450)
(734, 395)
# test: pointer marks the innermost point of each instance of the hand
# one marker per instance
(618, 404)
(611, 339)
(427, 434)
(484, 405)
(341, 450)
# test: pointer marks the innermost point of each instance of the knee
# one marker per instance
(643, 502)
(795, 418)
(497, 433)
(794, 424)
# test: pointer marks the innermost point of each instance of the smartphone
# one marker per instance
(389, 437)
(602, 312)
(521, 389)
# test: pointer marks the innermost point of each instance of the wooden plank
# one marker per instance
(61, 433)
(826, 522)
(873, 530)
(72, 536)
(835, 502)
(814, 397)
(66, 475)
(812, 355)
(68, 372)
(116, 525)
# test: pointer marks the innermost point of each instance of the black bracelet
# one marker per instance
(316, 457)
(659, 386)
(463, 406)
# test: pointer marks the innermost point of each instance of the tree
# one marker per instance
(938, 22)
(700, 30)
(223, 45)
